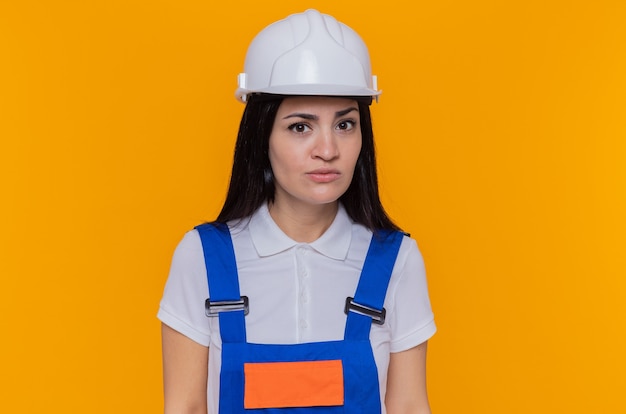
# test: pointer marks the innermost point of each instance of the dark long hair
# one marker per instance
(252, 180)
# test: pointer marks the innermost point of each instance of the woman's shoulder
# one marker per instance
(188, 252)
(410, 256)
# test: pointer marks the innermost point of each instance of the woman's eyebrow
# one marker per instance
(312, 117)
(346, 111)
(302, 115)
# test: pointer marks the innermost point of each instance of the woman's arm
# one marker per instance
(185, 373)
(406, 382)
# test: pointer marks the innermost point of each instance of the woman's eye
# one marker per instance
(346, 125)
(299, 128)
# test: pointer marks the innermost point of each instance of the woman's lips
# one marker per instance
(323, 175)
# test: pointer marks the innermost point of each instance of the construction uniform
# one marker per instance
(279, 303)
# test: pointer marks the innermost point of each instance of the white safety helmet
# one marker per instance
(307, 54)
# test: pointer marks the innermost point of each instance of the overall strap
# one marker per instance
(222, 277)
(372, 288)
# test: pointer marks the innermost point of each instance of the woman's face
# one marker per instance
(313, 149)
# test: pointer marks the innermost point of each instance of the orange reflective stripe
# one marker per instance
(293, 384)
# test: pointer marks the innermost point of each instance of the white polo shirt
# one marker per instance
(297, 291)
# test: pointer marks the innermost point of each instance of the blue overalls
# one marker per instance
(352, 383)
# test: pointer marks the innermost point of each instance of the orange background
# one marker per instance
(502, 147)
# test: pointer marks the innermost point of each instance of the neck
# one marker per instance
(304, 224)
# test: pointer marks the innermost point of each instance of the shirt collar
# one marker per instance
(269, 239)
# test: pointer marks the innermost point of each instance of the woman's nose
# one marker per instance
(326, 146)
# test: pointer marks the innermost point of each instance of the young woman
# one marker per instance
(302, 296)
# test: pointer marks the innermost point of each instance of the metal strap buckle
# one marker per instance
(212, 309)
(378, 316)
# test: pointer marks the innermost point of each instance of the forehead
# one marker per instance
(316, 104)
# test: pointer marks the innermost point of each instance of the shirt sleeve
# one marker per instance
(186, 289)
(411, 318)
